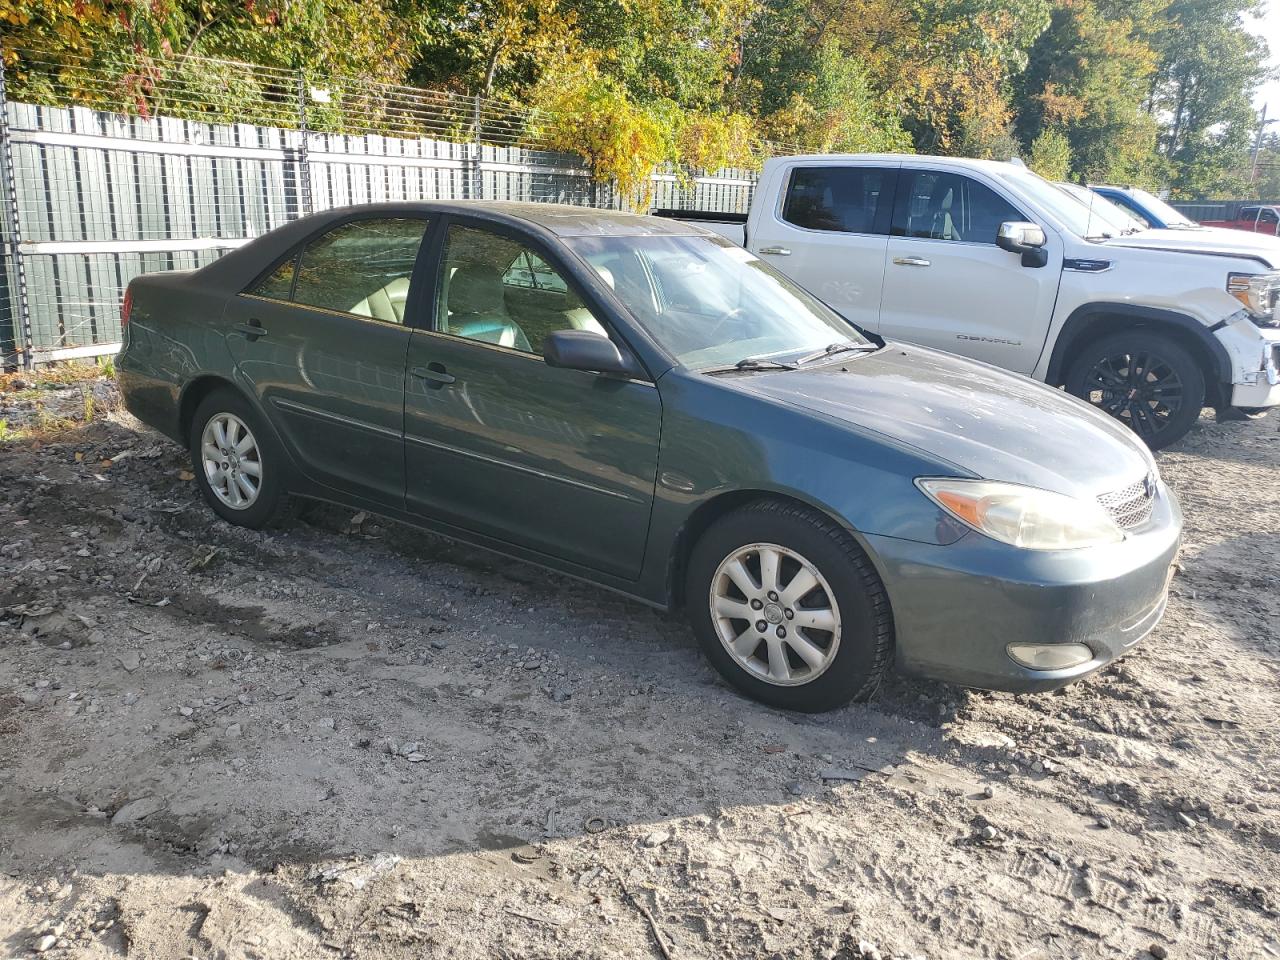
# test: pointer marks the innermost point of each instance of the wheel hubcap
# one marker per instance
(775, 614)
(1139, 389)
(231, 460)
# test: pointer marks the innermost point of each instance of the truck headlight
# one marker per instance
(1023, 516)
(1257, 291)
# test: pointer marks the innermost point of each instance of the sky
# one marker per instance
(1268, 27)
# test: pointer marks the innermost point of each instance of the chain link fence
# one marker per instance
(108, 170)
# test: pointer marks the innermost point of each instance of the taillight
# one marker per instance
(126, 306)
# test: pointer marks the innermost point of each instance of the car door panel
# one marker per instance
(947, 286)
(830, 235)
(323, 342)
(559, 461)
(498, 442)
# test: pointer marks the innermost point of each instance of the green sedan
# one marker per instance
(639, 403)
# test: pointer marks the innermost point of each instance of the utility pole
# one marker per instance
(1257, 143)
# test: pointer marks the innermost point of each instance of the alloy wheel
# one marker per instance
(775, 614)
(231, 460)
(1140, 389)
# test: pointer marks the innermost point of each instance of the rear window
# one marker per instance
(840, 199)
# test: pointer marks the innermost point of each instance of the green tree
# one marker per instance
(1210, 66)
(1087, 77)
(1050, 154)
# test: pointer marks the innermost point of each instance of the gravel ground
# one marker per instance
(348, 738)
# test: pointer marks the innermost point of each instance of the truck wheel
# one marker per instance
(238, 464)
(788, 608)
(1145, 380)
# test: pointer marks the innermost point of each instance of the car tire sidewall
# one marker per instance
(863, 653)
(273, 491)
(1177, 356)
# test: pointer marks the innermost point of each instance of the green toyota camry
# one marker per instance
(640, 403)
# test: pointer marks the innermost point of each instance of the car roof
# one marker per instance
(562, 219)
(945, 163)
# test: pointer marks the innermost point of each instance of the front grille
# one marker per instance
(1130, 506)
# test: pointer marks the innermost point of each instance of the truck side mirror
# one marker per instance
(1019, 236)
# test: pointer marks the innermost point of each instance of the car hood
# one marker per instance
(992, 424)
(1218, 241)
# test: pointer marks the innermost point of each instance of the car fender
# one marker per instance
(1097, 316)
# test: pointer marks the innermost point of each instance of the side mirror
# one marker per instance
(1019, 236)
(585, 350)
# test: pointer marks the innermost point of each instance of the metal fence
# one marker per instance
(103, 177)
(1216, 209)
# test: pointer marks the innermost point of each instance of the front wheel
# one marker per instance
(1145, 380)
(788, 608)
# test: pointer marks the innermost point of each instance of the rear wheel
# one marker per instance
(238, 465)
(788, 608)
(1145, 380)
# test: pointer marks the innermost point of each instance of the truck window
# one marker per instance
(1267, 216)
(935, 205)
(841, 199)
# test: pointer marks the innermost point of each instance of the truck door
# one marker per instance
(828, 232)
(947, 285)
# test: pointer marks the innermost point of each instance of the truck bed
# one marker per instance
(730, 225)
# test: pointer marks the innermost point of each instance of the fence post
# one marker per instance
(474, 182)
(304, 163)
(17, 273)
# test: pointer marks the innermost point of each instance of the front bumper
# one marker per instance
(956, 608)
(1260, 386)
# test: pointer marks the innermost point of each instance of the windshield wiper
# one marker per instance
(752, 363)
(834, 348)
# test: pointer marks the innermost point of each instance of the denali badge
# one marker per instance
(1011, 343)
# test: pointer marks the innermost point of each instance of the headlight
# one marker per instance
(1023, 516)
(1257, 291)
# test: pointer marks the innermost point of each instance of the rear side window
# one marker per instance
(840, 199)
(362, 267)
(936, 205)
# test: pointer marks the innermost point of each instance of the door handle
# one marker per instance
(776, 251)
(911, 261)
(434, 374)
(252, 330)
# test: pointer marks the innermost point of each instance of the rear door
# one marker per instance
(562, 462)
(829, 232)
(323, 340)
(948, 285)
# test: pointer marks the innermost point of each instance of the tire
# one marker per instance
(270, 501)
(850, 659)
(1145, 380)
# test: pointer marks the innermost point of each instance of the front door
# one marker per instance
(830, 235)
(323, 341)
(947, 285)
(558, 461)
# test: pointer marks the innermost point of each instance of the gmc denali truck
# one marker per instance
(989, 260)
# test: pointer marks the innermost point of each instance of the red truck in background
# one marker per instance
(1256, 218)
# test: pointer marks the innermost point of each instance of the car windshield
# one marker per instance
(1170, 216)
(711, 303)
(1066, 209)
(1106, 219)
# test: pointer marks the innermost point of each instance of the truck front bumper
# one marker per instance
(957, 608)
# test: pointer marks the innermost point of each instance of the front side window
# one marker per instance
(709, 302)
(938, 205)
(362, 267)
(840, 199)
(500, 291)
(1268, 216)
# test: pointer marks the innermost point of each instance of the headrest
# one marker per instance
(475, 288)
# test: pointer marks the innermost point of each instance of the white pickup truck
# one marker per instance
(989, 260)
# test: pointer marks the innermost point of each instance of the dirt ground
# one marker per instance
(348, 738)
